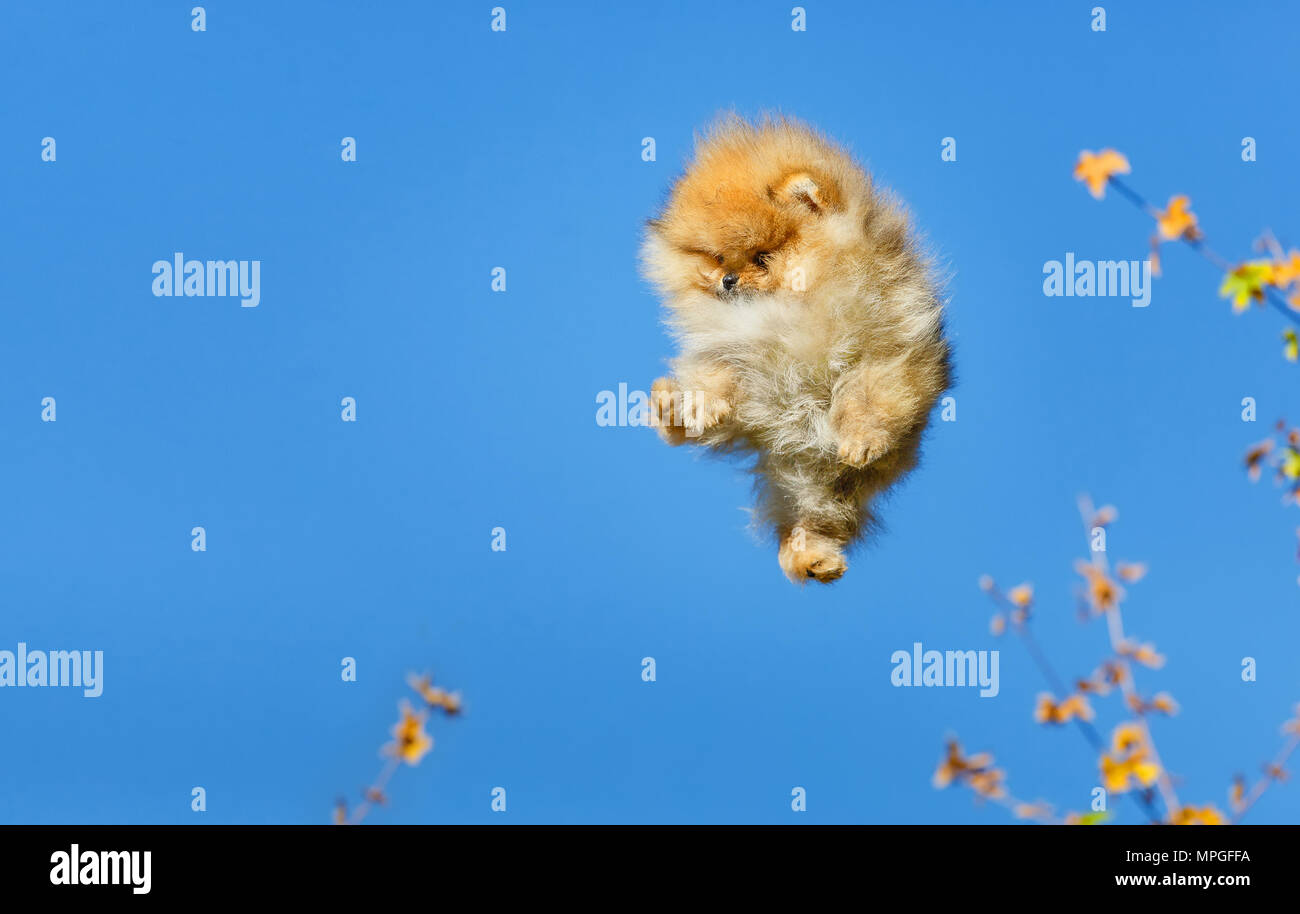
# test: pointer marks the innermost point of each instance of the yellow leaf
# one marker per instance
(1291, 464)
(1146, 772)
(1246, 283)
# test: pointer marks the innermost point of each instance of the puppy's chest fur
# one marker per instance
(786, 353)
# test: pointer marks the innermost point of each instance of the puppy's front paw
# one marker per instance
(863, 444)
(703, 411)
(682, 414)
(805, 557)
(665, 411)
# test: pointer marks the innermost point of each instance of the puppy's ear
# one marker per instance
(813, 191)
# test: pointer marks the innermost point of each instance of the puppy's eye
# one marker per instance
(761, 259)
(719, 258)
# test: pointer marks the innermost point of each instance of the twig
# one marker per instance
(1264, 783)
(375, 789)
(1199, 245)
(1058, 686)
(1115, 629)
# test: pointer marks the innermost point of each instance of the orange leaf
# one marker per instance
(1178, 221)
(1096, 170)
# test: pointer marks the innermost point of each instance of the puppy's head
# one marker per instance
(738, 222)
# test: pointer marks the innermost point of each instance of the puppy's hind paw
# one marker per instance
(807, 557)
(862, 448)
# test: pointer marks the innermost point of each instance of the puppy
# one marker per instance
(810, 330)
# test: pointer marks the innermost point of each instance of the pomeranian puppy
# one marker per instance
(810, 330)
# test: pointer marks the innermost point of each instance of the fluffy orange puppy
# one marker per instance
(810, 329)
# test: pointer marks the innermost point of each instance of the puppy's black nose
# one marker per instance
(729, 281)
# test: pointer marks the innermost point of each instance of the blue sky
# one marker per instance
(477, 409)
